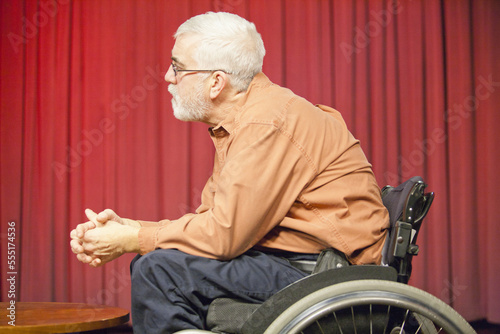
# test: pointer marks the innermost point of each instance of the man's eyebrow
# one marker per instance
(176, 60)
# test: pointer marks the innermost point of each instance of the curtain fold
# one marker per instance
(86, 122)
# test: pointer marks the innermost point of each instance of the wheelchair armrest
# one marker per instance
(407, 205)
(417, 205)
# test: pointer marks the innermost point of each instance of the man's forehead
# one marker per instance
(183, 49)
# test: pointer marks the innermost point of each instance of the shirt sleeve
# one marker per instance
(262, 174)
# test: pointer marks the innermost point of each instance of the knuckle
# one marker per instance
(82, 257)
(88, 248)
(74, 249)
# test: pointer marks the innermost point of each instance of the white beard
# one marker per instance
(192, 108)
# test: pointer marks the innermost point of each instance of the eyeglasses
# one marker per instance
(176, 70)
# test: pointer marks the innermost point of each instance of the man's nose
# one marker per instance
(170, 75)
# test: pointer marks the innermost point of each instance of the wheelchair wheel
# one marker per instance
(369, 306)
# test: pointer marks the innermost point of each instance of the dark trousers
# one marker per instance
(172, 290)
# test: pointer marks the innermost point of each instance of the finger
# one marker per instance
(84, 258)
(95, 262)
(74, 234)
(82, 228)
(106, 215)
(76, 246)
(91, 215)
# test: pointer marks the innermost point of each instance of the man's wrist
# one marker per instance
(132, 244)
(131, 222)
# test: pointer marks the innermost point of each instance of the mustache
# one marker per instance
(172, 89)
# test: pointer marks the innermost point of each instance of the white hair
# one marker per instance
(227, 42)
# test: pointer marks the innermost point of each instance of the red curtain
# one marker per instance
(86, 121)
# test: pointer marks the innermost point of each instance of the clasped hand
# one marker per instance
(104, 237)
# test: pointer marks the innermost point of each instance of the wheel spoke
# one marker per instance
(419, 328)
(371, 320)
(404, 322)
(353, 321)
(337, 322)
(319, 326)
(387, 318)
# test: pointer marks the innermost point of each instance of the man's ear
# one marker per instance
(218, 82)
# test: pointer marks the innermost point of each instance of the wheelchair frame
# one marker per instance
(339, 298)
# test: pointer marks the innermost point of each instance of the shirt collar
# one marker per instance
(228, 124)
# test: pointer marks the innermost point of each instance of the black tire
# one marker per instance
(369, 306)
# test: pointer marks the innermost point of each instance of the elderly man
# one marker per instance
(289, 180)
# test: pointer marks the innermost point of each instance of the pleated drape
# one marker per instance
(86, 121)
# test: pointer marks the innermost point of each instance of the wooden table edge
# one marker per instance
(76, 326)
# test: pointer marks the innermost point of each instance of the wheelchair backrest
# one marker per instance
(407, 205)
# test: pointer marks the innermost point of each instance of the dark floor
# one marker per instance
(481, 327)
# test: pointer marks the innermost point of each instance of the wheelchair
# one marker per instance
(342, 298)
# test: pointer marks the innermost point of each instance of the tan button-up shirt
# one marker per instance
(288, 175)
